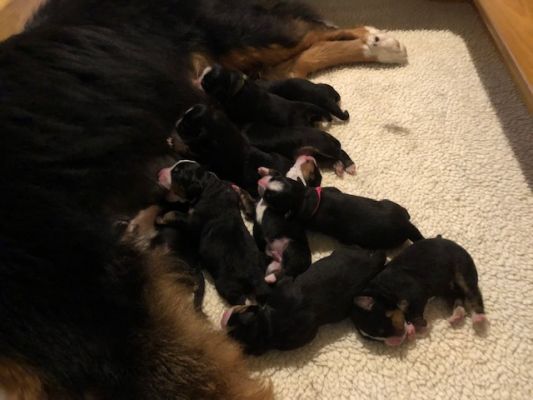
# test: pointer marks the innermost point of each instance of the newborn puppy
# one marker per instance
(290, 141)
(392, 306)
(226, 249)
(297, 89)
(350, 219)
(296, 308)
(284, 240)
(245, 101)
(219, 145)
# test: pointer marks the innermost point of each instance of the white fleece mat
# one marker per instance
(448, 137)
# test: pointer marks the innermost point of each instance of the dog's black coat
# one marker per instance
(246, 101)
(297, 89)
(225, 247)
(88, 94)
(350, 219)
(291, 141)
(218, 144)
(284, 239)
(295, 309)
(431, 267)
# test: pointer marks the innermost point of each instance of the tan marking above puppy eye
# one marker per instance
(398, 319)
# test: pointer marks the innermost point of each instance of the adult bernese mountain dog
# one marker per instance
(89, 92)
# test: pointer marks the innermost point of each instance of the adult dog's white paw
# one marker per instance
(384, 48)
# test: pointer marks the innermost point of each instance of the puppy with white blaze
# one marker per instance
(350, 219)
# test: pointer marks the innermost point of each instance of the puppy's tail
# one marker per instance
(413, 233)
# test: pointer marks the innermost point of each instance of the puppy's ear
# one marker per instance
(364, 302)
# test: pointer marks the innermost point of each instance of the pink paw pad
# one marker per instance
(457, 317)
(351, 169)
(479, 321)
(339, 169)
(410, 331)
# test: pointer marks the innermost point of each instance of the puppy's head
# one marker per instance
(205, 129)
(184, 180)
(222, 83)
(279, 192)
(377, 319)
(306, 170)
(249, 325)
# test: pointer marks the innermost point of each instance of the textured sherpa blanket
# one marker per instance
(448, 137)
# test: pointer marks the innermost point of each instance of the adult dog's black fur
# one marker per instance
(296, 309)
(225, 247)
(350, 219)
(217, 143)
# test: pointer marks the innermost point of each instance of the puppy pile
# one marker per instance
(256, 148)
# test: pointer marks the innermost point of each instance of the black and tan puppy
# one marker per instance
(226, 248)
(297, 89)
(245, 101)
(223, 149)
(350, 219)
(392, 307)
(284, 240)
(291, 141)
(296, 308)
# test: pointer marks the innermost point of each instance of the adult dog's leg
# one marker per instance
(252, 58)
(319, 48)
(370, 45)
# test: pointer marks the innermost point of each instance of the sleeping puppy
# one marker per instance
(391, 308)
(245, 101)
(225, 247)
(298, 89)
(350, 219)
(290, 141)
(296, 308)
(223, 149)
(284, 240)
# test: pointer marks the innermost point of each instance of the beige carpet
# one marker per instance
(447, 137)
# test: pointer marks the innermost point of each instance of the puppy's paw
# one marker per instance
(384, 48)
(457, 317)
(351, 169)
(480, 322)
(339, 168)
(410, 331)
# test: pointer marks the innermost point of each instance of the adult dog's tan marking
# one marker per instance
(19, 382)
(14, 14)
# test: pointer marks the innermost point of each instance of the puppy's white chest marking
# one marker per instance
(260, 211)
